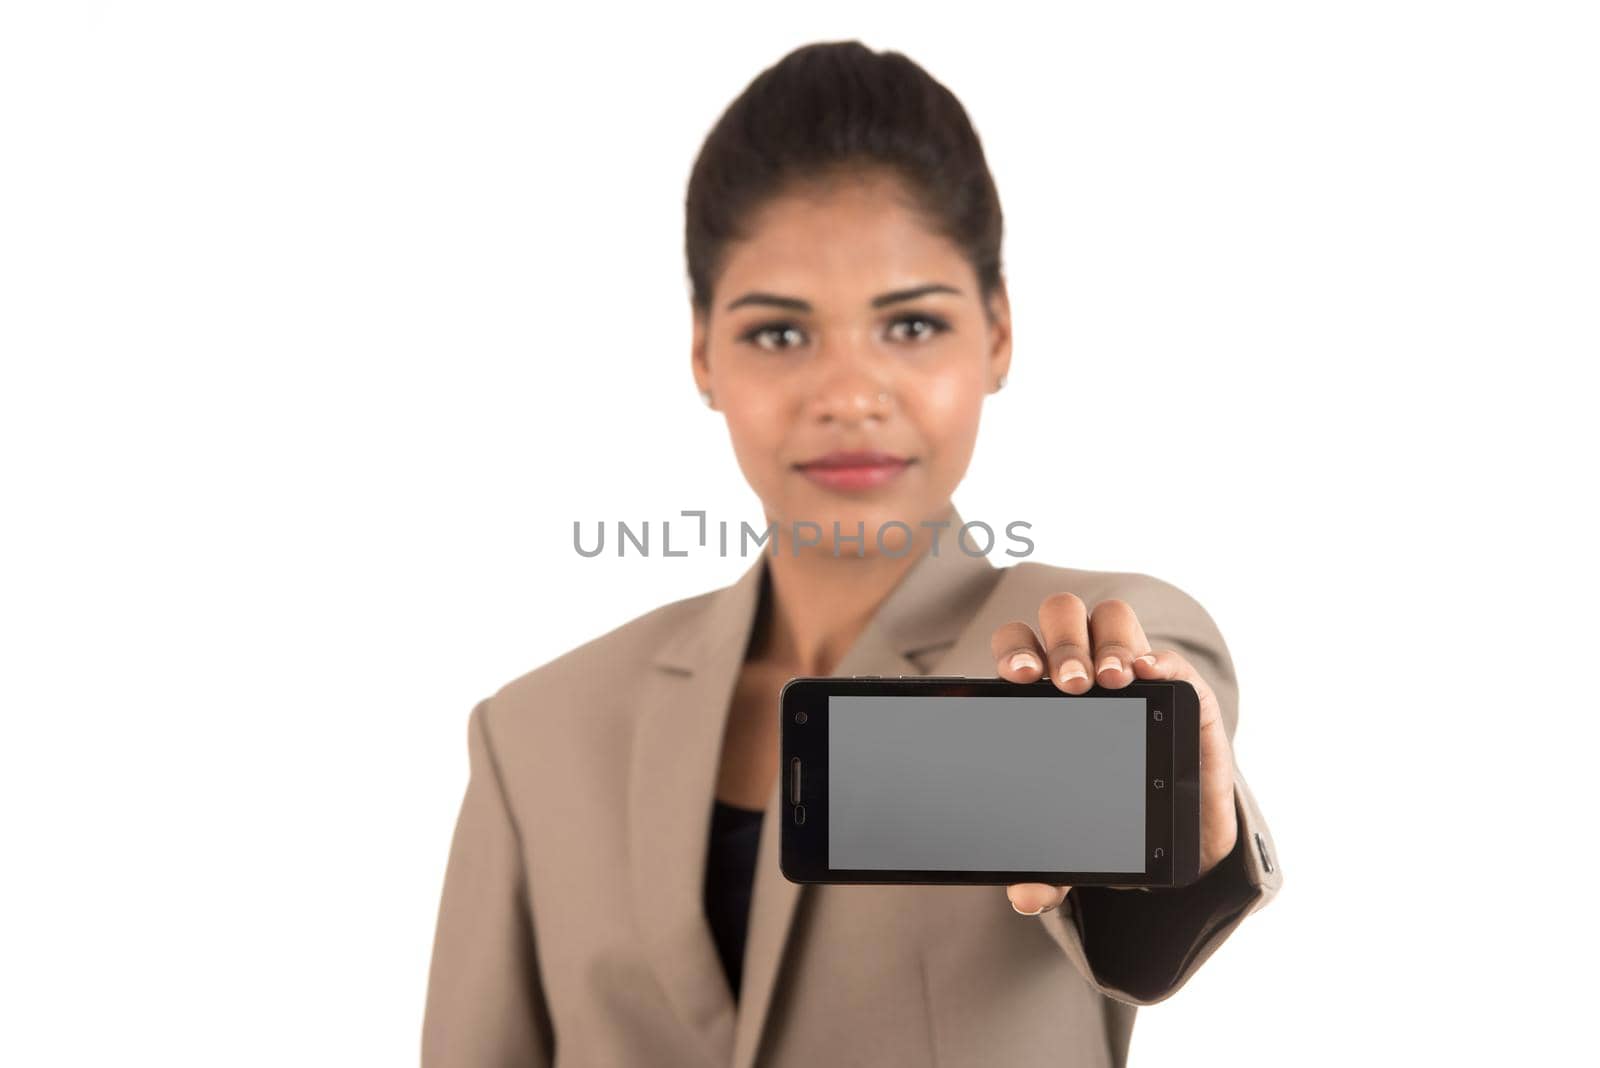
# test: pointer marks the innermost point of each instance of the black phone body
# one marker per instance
(950, 779)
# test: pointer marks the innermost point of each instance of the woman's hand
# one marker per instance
(1111, 639)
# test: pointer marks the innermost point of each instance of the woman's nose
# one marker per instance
(863, 401)
(850, 388)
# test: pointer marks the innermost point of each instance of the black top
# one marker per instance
(730, 875)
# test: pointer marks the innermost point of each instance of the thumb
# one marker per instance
(1030, 899)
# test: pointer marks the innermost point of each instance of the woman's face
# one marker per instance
(844, 324)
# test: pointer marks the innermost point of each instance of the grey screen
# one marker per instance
(986, 783)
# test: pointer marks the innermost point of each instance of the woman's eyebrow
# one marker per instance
(767, 298)
(913, 294)
(796, 304)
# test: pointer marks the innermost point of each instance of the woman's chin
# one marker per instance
(883, 525)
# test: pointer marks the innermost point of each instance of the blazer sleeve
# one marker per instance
(485, 1002)
(1140, 946)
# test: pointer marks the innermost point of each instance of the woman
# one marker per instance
(613, 894)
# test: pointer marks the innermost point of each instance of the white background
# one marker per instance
(321, 323)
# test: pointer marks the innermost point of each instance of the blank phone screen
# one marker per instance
(987, 783)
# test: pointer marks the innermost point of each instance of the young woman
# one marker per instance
(613, 894)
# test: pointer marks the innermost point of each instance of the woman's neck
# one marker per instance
(821, 603)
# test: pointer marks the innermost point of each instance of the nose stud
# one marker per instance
(883, 398)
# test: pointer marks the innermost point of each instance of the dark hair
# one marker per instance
(836, 107)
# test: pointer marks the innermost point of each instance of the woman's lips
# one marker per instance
(854, 470)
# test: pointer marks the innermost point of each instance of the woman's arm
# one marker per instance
(1141, 945)
(485, 1002)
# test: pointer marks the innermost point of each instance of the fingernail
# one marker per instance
(1024, 661)
(1110, 663)
(1019, 912)
(1148, 659)
(1072, 670)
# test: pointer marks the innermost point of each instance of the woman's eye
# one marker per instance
(774, 336)
(912, 327)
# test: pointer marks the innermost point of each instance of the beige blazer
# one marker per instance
(571, 930)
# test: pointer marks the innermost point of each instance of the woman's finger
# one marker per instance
(1118, 637)
(1064, 625)
(1030, 899)
(1016, 652)
(1171, 664)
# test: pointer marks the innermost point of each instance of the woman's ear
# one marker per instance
(699, 364)
(999, 321)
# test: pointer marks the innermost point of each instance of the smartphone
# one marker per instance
(950, 779)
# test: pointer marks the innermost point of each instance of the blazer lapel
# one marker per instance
(926, 622)
(671, 783)
(774, 899)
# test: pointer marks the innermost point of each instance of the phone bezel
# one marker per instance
(1172, 750)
